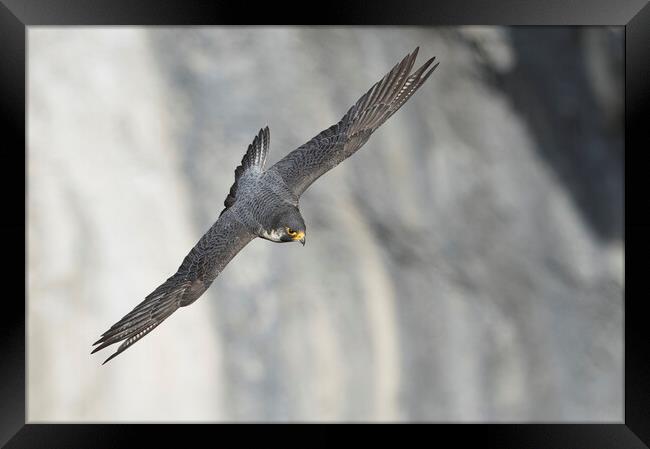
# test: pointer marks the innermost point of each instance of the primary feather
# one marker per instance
(304, 165)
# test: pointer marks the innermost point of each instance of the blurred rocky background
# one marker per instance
(465, 265)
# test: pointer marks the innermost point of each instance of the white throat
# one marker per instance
(274, 235)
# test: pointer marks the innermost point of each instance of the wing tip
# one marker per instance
(115, 354)
(101, 340)
(424, 66)
(431, 70)
(104, 344)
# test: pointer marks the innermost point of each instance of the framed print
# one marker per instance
(455, 175)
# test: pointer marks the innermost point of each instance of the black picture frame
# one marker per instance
(17, 15)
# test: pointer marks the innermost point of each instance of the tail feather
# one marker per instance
(255, 157)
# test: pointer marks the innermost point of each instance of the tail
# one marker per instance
(255, 158)
(257, 151)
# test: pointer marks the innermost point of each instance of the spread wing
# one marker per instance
(199, 268)
(303, 166)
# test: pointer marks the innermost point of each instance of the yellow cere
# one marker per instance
(297, 235)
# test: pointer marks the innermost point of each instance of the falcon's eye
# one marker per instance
(291, 232)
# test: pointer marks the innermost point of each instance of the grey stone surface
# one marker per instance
(465, 265)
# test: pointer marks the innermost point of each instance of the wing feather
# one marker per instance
(199, 269)
(304, 165)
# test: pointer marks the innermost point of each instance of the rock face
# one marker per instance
(465, 265)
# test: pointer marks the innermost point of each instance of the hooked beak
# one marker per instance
(300, 237)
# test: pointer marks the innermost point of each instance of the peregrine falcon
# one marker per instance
(265, 202)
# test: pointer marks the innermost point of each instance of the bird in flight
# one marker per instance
(265, 202)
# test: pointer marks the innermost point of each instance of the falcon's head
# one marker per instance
(286, 226)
